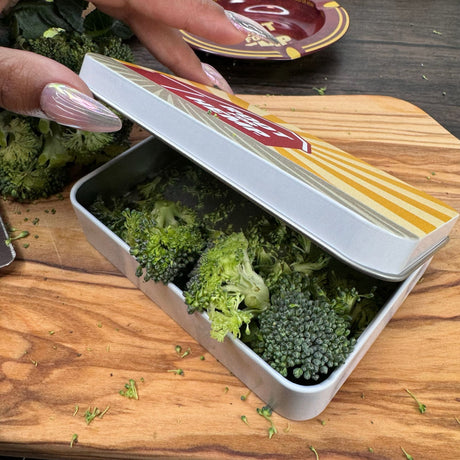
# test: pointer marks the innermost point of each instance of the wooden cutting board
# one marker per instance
(73, 331)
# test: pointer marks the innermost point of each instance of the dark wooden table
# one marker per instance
(406, 49)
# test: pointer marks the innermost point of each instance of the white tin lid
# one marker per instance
(358, 213)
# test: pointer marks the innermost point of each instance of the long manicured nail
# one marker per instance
(250, 27)
(68, 106)
(217, 79)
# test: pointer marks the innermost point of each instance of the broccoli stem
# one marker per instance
(421, 407)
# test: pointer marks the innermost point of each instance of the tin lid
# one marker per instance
(361, 215)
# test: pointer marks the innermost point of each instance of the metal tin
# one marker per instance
(361, 215)
(291, 400)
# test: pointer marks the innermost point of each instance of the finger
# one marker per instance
(168, 46)
(31, 84)
(204, 18)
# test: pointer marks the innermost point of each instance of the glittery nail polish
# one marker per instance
(250, 27)
(68, 106)
(217, 79)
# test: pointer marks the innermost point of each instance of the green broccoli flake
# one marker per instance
(408, 456)
(130, 390)
(266, 413)
(315, 452)
(176, 371)
(23, 234)
(321, 91)
(421, 407)
(90, 415)
(246, 396)
(74, 439)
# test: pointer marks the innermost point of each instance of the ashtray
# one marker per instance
(301, 26)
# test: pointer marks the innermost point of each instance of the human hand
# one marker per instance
(34, 85)
(157, 24)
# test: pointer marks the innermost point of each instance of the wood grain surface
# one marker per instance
(73, 331)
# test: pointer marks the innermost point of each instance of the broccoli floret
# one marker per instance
(350, 297)
(278, 250)
(18, 141)
(301, 337)
(36, 155)
(32, 181)
(110, 212)
(222, 281)
(69, 48)
(86, 145)
(114, 47)
(22, 175)
(164, 241)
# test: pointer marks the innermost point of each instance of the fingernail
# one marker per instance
(68, 106)
(217, 79)
(250, 27)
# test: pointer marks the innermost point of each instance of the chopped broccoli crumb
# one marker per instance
(266, 413)
(74, 439)
(421, 407)
(408, 456)
(321, 91)
(90, 415)
(315, 452)
(176, 371)
(23, 234)
(246, 396)
(185, 353)
(130, 390)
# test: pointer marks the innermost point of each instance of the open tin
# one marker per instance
(362, 216)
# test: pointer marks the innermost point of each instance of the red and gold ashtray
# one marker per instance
(301, 26)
